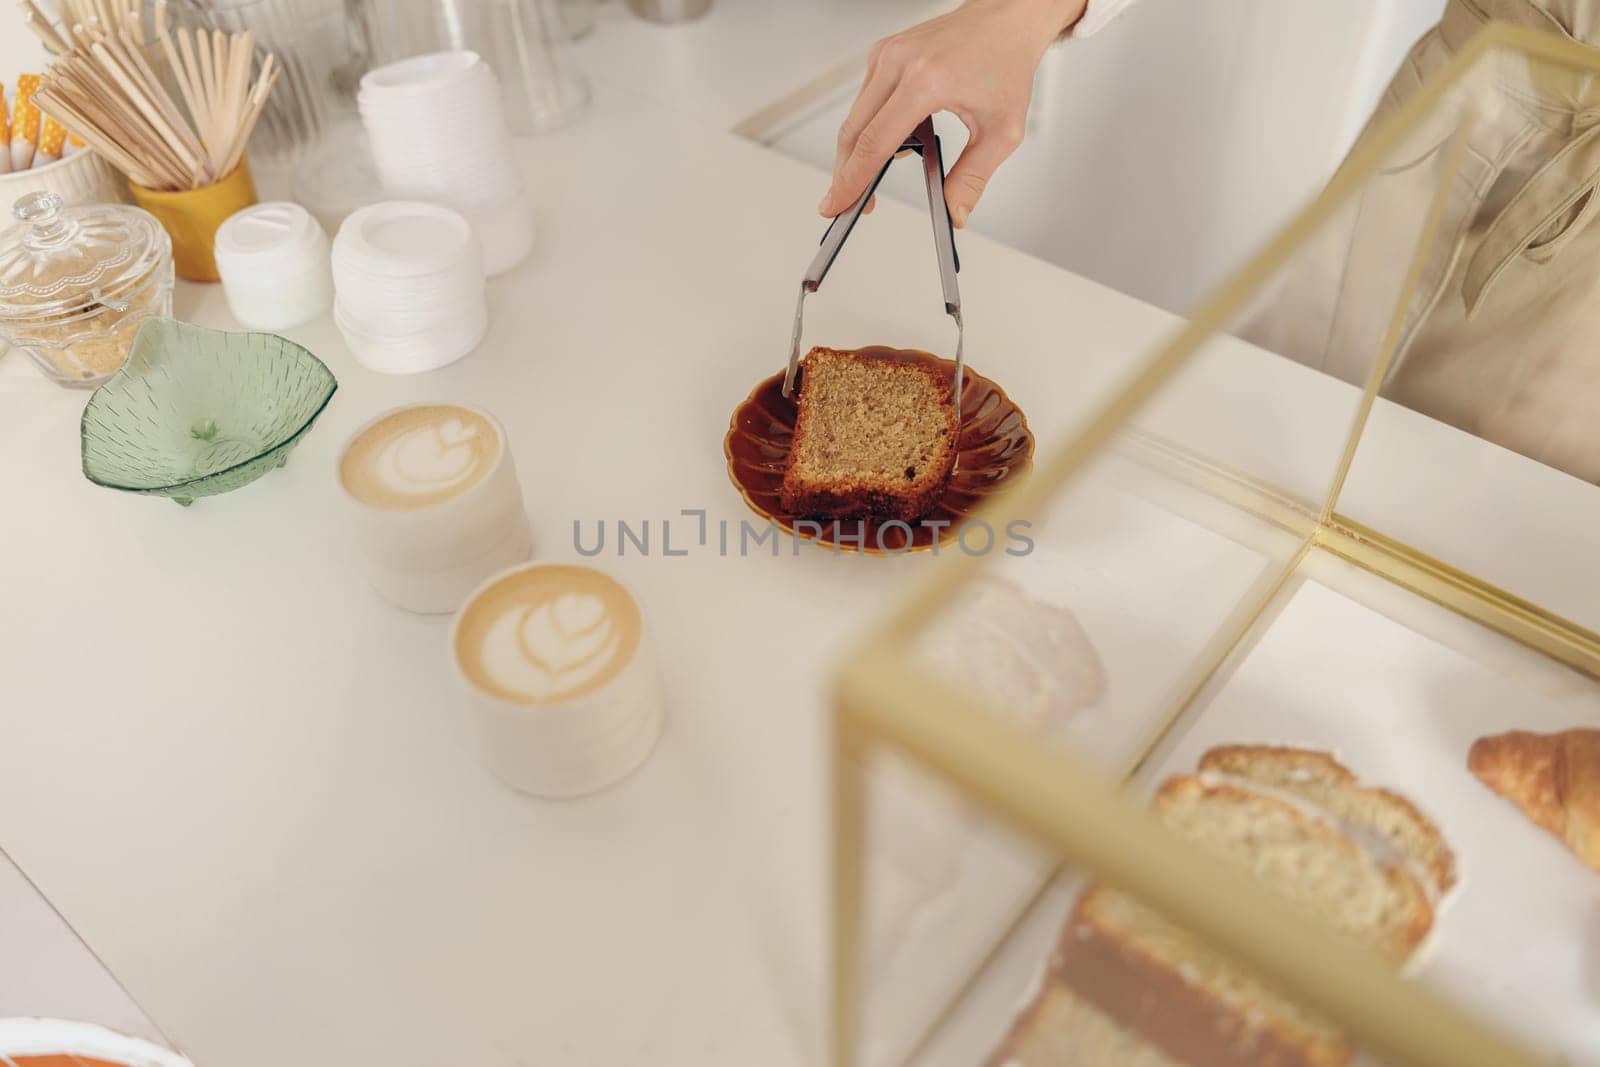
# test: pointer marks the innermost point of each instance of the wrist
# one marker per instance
(1062, 15)
(1044, 19)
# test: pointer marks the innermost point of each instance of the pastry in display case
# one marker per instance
(1302, 824)
(1277, 744)
(1553, 778)
(1032, 653)
(1036, 658)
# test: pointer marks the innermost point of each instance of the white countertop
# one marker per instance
(245, 780)
(50, 973)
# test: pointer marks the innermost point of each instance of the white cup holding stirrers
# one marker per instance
(431, 492)
(560, 678)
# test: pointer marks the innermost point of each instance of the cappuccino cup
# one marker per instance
(432, 493)
(560, 677)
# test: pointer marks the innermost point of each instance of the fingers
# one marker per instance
(879, 139)
(876, 87)
(964, 185)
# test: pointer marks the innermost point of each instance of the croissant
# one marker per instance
(1553, 778)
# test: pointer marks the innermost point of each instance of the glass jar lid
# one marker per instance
(58, 262)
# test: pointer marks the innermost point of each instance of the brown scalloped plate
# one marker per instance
(995, 448)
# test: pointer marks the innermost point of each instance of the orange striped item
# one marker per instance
(52, 138)
(5, 124)
(24, 122)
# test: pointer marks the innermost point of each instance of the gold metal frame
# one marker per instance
(886, 702)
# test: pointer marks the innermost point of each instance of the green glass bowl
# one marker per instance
(196, 412)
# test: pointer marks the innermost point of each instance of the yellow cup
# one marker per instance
(191, 218)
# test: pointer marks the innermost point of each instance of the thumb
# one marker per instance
(967, 180)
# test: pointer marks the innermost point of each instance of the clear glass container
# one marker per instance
(75, 284)
(1307, 589)
(525, 42)
(314, 46)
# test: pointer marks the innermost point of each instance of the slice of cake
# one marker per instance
(875, 438)
(1127, 986)
(1062, 1029)
(1324, 781)
(1028, 657)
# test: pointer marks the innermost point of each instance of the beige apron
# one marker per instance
(1502, 338)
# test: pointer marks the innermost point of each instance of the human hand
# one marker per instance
(976, 62)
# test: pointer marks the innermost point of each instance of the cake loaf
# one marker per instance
(875, 437)
(1322, 780)
(1128, 986)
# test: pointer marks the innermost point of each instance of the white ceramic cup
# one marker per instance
(560, 678)
(464, 522)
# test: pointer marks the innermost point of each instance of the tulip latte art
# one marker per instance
(548, 634)
(420, 456)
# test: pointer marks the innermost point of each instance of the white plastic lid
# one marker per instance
(401, 238)
(422, 74)
(276, 236)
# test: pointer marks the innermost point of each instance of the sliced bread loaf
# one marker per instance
(1125, 977)
(1305, 857)
(1324, 781)
(1060, 1029)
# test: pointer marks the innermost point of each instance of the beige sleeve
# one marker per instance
(1097, 16)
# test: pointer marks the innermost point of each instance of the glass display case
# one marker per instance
(1272, 733)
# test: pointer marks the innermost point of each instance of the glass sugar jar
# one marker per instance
(76, 283)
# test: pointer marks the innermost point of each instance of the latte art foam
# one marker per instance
(548, 633)
(420, 456)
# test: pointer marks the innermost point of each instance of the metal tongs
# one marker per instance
(925, 143)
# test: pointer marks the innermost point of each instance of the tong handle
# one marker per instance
(944, 230)
(839, 229)
(925, 143)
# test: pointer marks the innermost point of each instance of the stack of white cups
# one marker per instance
(410, 286)
(438, 131)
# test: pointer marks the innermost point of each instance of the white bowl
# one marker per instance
(81, 178)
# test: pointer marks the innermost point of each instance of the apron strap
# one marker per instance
(1463, 18)
(1523, 227)
(1564, 185)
